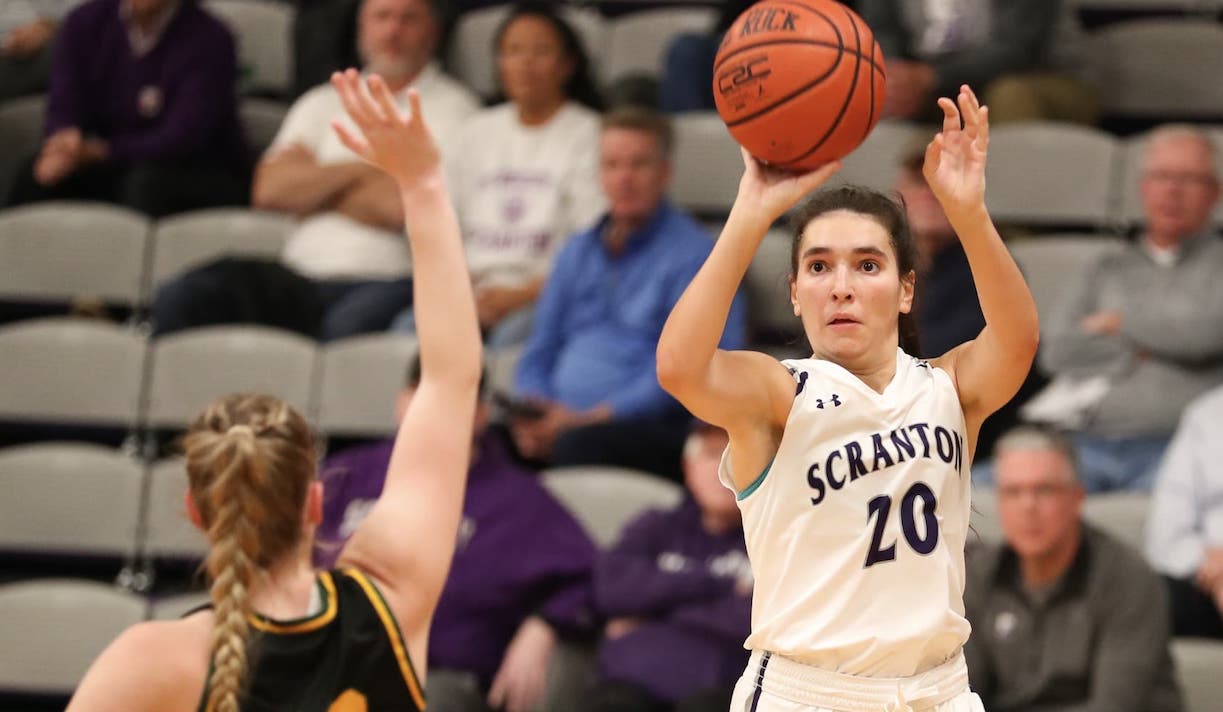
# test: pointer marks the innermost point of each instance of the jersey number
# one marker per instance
(879, 508)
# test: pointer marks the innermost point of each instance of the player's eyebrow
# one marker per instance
(864, 250)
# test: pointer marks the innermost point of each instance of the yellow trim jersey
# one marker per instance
(349, 657)
(856, 530)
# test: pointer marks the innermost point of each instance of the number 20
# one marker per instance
(882, 505)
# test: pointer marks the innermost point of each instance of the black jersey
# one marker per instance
(350, 657)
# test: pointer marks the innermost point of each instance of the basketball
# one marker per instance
(799, 83)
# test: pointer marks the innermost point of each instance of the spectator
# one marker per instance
(1025, 54)
(525, 174)
(1140, 328)
(677, 590)
(1185, 526)
(686, 83)
(27, 28)
(345, 269)
(588, 366)
(1064, 617)
(520, 575)
(141, 111)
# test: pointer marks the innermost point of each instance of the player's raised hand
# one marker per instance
(774, 190)
(955, 159)
(397, 142)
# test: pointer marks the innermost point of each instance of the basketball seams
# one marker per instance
(849, 98)
(797, 41)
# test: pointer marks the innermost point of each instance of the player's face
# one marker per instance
(1038, 501)
(396, 37)
(848, 289)
(532, 62)
(634, 173)
(1179, 187)
(701, 458)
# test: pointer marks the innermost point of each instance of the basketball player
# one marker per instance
(852, 467)
(279, 635)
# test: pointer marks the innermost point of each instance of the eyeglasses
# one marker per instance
(1201, 180)
(1042, 492)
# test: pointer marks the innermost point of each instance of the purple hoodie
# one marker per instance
(680, 581)
(519, 553)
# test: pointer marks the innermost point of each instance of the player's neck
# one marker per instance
(876, 372)
(283, 591)
(1043, 570)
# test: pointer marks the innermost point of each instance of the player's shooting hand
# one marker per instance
(955, 160)
(774, 190)
(521, 681)
(399, 143)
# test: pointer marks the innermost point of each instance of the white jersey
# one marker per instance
(856, 530)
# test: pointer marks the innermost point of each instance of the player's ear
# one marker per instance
(908, 284)
(794, 297)
(193, 512)
(314, 503)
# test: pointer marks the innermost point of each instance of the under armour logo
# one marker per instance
(835, 400)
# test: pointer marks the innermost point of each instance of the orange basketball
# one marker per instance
(799, 82)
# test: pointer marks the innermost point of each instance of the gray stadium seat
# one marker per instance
(605, 499)
(165, 608)
(1044, 173)
(768, 287)
(1123, 515)
(1132, 157)
(262, 119)
(169, 534)
(501, 364)
(189, 240)
(192, 368)
(56, 251)
(637, 41)
(20, 135)
(471, 56)
(1199, 663)
(69, 499)
(52, 629)
(264, 35)
(71, 371)
(708, 164)
(1050, 262)
(876, 163)
(1160, 67)
(361, 377)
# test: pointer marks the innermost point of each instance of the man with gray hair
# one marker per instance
(1143, 322)
(1064, 617)
(345, 268)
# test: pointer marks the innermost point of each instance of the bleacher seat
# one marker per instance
(605, 499)
(169, 534)
(1199, 663)
(69, 499)
(164, 608)
(708, 164)
(1050, 174)
(876, 163)
(76, 371)
(264, 35)
(361, 378)
(262, 119)
(192, 368)
(767, 286)
(56, 251)
(500, 365)
(1159, 68)
(189, 240)
(1131, 175)
(53, 629)
(984, 518)
(1122, 515)
(20, 135)
(1050, 262)
(637, 41)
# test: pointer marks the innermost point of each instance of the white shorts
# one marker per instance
(772, 683)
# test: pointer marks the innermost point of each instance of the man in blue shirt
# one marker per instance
(588, 366)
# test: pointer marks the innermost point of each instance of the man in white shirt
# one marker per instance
(1185, 526)
(345, 270)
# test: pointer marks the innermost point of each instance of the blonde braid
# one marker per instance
(250, 459)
